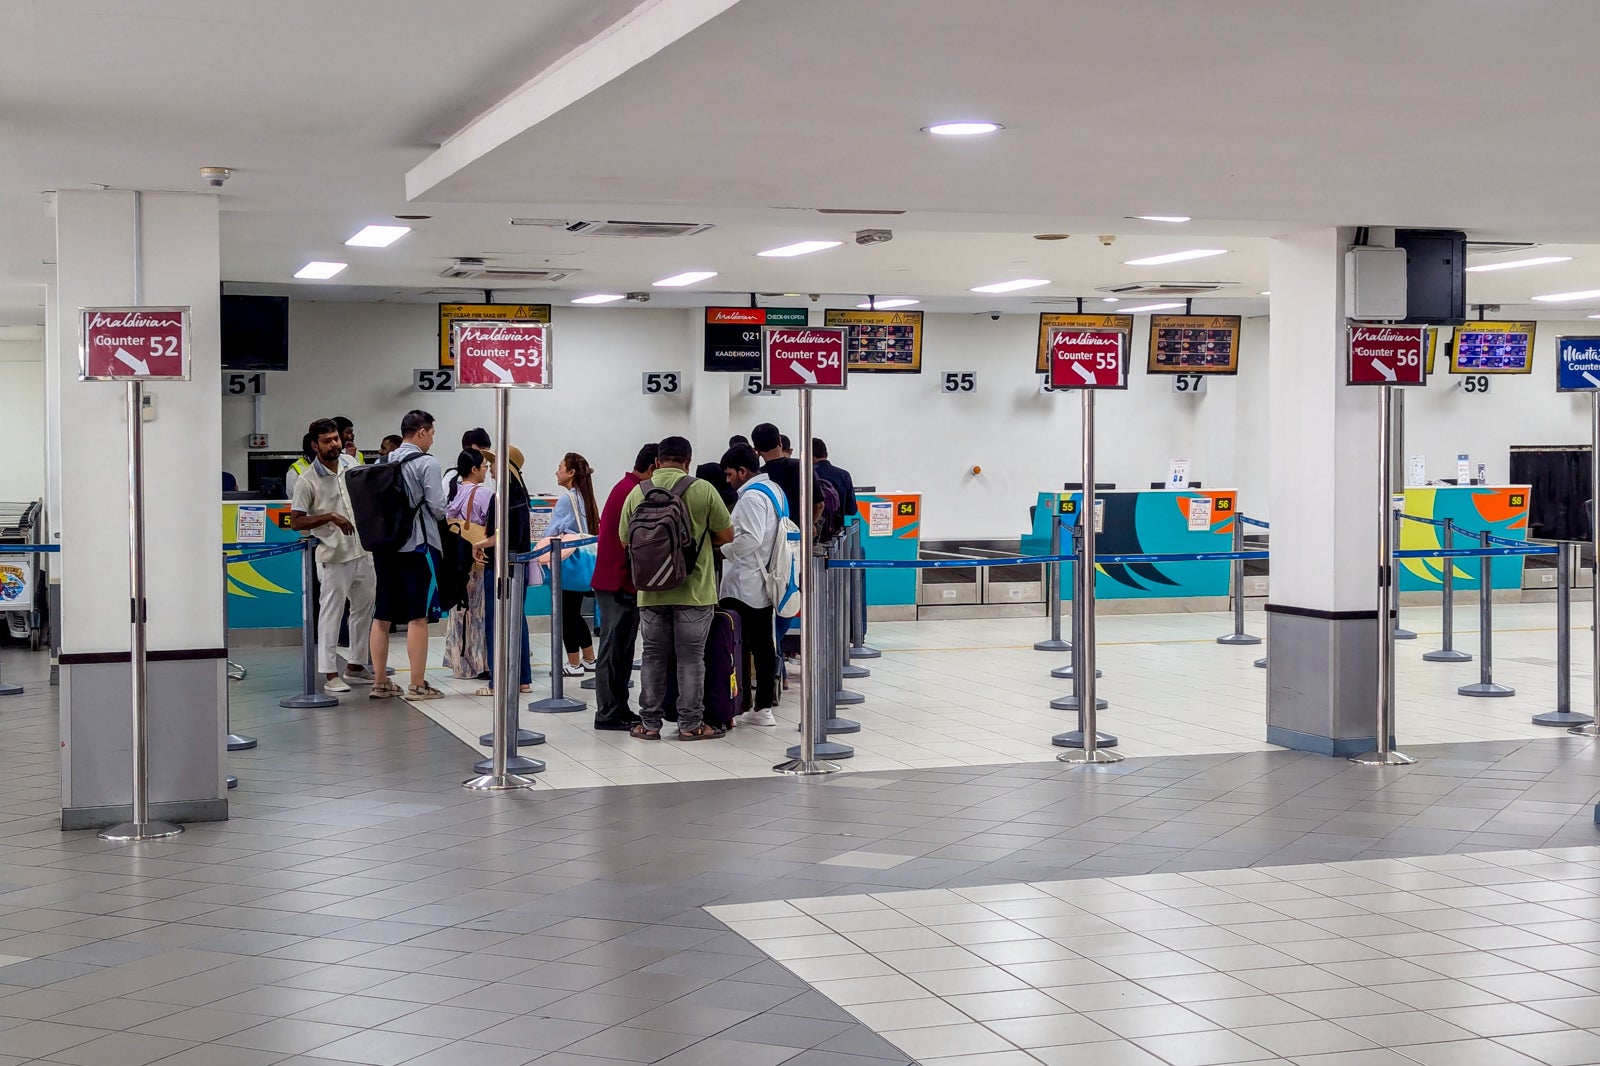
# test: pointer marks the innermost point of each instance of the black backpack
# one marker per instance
(662, 552)
(384, 515)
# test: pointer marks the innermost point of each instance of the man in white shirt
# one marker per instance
(744, 572)
(321, 507)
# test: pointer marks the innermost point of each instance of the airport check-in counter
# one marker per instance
(1501, 510)
(891, 528)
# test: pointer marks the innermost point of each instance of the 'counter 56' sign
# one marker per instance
(1388, 355)
(502, 355)
(1087, 358)
(133, 344)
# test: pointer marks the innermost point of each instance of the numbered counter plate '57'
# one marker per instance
(1088, 359)
(502, 355)
(133, 344)
(803, 357)
(1387, 355)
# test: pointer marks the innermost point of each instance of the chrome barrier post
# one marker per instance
(504, 664)
(503, 719)
(823, 675)
(855, 611)
(1400, 633)
(1238, 636)
(1261, 663)
(1065, 673)
(1563, 714)
(1083, 677)
(309, 698)
(1073, 738)
(235, 741)
(558, 702)
(1447, 597)
(804, 761)
(859, 648)
(1052, 586)
(1388, 526)
(1593, 728)
(1485, 685)
(838, 640)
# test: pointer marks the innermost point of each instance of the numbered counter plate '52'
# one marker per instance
(133, 344)
(1088, 359)
(803, 357)
(1387, 355)
(502, 355)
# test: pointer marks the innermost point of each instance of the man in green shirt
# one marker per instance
(675, 622)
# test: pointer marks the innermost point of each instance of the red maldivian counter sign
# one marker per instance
(133, 344)
(1387, 355)
(803, 357)
(502, 355)
(1088, 359)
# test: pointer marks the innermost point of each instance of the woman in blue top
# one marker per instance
(575, 513)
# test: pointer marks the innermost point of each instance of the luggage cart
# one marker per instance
(21, 523)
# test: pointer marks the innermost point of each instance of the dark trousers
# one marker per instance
(575, 634)
(619, 633)
(755, 629)
(526, 669)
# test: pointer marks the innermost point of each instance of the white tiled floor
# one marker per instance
(976, 693)
(1455, 960)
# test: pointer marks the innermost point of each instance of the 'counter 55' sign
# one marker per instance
(1087, 358)
(133, 344)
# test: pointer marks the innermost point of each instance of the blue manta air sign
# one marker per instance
(1578, 364)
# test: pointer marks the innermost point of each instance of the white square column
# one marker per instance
(178, 252)
(1322, 616)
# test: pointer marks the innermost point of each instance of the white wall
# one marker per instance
(22, 474)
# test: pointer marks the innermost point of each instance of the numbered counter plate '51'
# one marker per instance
(1387, 355)
(502, 355)
(133, 344)
(1088, 359)
(803, 357)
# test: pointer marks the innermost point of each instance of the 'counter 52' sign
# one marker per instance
(133, 344)
(502, 355)
(1387, 355)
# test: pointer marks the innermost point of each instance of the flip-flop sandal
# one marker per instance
(423, 691)
(383, 690)
(639, 732)
(486, 690)
(703, 731)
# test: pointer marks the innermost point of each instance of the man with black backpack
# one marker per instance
(670, 526)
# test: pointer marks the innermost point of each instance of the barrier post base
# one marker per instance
(1383, 758)
(233, 782)
(491, 783)
(1403, 634)
(1486, 688)
(1238, 638)
(1074, 739)
(526, 738)
(840, 725)
(516, 764)
(236, 742)
(854, 673)
(1052, 645)
(8, 689)
(1590, 730)
(308, 701)
(1566, 718)
(557, 705)
(137, 832)
(802, 768)
(847, 698)
(823, 749)
(1261, 663)
(1065, 672)
(864, 651)
(1070, 703)
(1446, 655)
(1085, 758)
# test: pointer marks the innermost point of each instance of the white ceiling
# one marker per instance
(1254, 116)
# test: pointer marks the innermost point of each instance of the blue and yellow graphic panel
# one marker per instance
(1498, 509)
(263, 594)
(891, 528)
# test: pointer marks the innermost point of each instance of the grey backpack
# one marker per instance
(661, 547)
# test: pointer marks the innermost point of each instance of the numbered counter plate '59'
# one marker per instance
(803, 357)
(133, 344)
(1387, 355)
(1088, 359)
(502, 355)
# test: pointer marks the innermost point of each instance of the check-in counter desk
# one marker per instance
(891, 528)
(1501, 510)
(1151, 522)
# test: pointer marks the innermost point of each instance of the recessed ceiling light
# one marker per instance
(1161, 218)
(1175, 257)
(1512, 264)
(800, 248)
(1110, 299)
(377, 236)
(317, 270)
(1264, 292)
(600, 298)
(413, 218)
(884, 305)
(688, 277)
(1562, 297)
(1149, 307)
(962, 129)
(1010, 286)
(1594, 316)
(1051, 236)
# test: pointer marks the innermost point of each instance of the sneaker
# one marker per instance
(334, 686)
(588, 665)
(358, 675)
(762, 717)
(569, 670)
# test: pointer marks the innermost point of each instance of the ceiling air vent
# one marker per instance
(637, 229)
(478, 270)
(1165, 288)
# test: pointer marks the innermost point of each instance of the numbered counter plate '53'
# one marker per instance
(1088, 359)
(1387, 355)
(803, 357)
(502, 355)
(133, 344)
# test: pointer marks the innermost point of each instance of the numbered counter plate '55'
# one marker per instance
(1088, 359)
(133, 344)
(1387, 355)
(803, 357)
(502, 355)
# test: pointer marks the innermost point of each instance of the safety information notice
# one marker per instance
(880, 519)
(252, 527)
(1199, 514)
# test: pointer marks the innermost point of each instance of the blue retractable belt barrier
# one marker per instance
(261, 552)
(1254, 522)
(255, 545)
(1515, 548)
(6, 549)
(540, 553)
(1436, 522)
(1511, 547)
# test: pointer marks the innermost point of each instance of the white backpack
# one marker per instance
(783, 568)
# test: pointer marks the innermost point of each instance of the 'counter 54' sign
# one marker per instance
(803, 357)
(133, 344)
(502, 355)
(1387, 355)
(1087, 358)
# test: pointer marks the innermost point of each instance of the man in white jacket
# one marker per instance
(744, 572)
